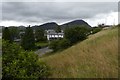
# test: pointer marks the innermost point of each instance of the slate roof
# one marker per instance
(50, 32)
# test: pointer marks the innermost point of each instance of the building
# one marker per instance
(51, 34)
(104, 26)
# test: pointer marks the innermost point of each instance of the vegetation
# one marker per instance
(72, 36)
(96, 29)
(41, 44)
(28, 40)
(17, 63)
(14, 32)
(54, 45)
(58, 29)
(1, 58)
(64, 43)
(76, 34)
(59, 44)
(0, 30)
(6, 35)
(39, 35)
(95, 57)
(0, 42)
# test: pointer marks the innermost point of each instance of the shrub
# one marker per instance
(76, 34)
(59, 44)
(96, 29)
(39, 35)
(17, 63)
(28, 40)
(64, 43)
(7, 35)
(54, 45)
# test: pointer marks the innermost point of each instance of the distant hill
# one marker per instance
(46, 26)
(1, 29)
(53, 25)
(75, 23)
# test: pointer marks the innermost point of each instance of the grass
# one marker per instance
(0, 57)
(0, 42)
(42, 44)
(96, 57)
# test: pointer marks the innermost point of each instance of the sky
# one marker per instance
(37, 13)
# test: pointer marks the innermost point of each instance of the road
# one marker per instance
(42, 51)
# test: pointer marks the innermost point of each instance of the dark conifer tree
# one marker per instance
(6, 35)
(39, 35)
(28, 40)
(58, 29)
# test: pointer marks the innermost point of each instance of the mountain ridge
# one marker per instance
(76, 23)
(54, 25)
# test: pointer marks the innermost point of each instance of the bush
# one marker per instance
(39, 35)
(64, 43)
(41, 44)
(28, 40)
(96, 29)
(17, 63)
(59, 44)
(54, 45)
(76, 34)
(7, 35)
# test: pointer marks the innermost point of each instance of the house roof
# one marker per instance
(52, 32)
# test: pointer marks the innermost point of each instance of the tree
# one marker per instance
(39, 35)
(28, 40)
(96, 29)
(17, 63)
(59, 44)
(58, 29)
(64, 43)
(76, 34)
(7, 35)
(14, 32)
(54, 45)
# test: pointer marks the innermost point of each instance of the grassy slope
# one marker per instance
(94, 57)
(0, 42)
(0, 58)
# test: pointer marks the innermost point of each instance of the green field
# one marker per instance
(0, 42)
(0, 57)
(96, 57)
(42, 44)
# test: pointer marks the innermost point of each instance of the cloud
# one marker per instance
(108, 19)
(41, 12)
(61, 1)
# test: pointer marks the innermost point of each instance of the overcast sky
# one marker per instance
(36, 13)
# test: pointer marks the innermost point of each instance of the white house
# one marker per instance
(51, 34)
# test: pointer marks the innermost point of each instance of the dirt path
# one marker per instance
(42, 51)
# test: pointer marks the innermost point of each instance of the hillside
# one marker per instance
(75, 23)
(96, 57)
(53, 25)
